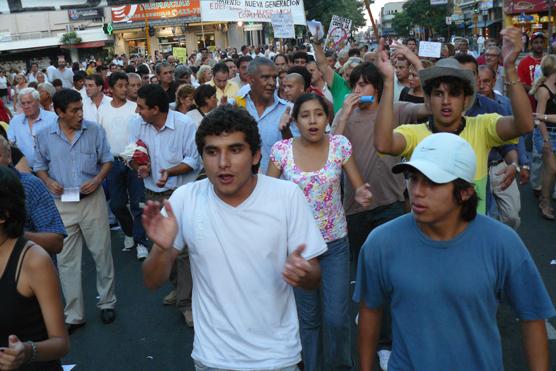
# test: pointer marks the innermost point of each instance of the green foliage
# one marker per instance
(421, 13)
(401, 23)
(323, 10)
(70, 38)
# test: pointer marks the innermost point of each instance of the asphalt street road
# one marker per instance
(149, 336)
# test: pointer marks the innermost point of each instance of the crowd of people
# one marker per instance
(251, 179)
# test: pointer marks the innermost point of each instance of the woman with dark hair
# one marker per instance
(18, 159)
(315, 162)
(205, 101)
(32, 332)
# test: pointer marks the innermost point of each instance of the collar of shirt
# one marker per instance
(169, 124)
(55, 129)
(251, 106)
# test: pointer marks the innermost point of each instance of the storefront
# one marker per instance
(529, 15)
(147, 28)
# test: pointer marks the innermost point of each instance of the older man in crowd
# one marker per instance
(24, 126)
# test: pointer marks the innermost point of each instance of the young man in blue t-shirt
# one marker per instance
(443, 268)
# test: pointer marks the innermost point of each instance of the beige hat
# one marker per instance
(450, 67)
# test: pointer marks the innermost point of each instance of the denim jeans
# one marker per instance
(332, 318)
(200, 367)
(124, 186)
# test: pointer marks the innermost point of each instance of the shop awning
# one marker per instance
(90, 44)
(87, 36)
(482, 24)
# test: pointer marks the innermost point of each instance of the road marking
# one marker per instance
(550, 330)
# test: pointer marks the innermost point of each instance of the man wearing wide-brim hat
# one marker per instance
(449, 92)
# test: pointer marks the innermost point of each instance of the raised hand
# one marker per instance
(382, 62)
(511, 45)
(296, 268)
(363, 195)
(161, 230)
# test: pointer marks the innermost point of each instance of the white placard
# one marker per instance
(70, 195)
(251, 10)
(338, 33)
(282, 24)
(430, 49)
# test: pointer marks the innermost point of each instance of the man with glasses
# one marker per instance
(492, 59)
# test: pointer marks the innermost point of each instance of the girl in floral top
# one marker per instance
(315, 161)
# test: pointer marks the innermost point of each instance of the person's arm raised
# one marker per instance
(322, 63)
(386, 141)
(509, 127)
(162, 231)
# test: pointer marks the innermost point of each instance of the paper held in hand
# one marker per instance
(430, 49)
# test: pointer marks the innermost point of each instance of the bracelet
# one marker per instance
(33, 352)
(511, 83)
(525, 167)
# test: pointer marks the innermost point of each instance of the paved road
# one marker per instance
(149, 336)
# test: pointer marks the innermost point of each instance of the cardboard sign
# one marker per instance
(282, 24)
(430, 49)
(180, 54)
(338, 33)
(251, 10)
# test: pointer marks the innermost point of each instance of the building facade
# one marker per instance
(387, 14)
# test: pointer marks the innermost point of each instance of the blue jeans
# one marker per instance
(124, 186)
(200, 367)
(332, 318)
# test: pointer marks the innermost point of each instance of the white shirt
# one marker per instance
(168, 147)
(90, 109)
(196, 116)
(245, 313)
(66, 76)
(116, 123)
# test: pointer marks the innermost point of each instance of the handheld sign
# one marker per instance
(338, 33)
(430, 49)
(282, 24)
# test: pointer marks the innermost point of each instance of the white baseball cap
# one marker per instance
(443, 158)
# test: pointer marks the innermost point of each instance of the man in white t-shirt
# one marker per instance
(94, 85)
(250, 239)
(123, 182)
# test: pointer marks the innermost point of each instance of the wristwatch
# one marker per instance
(526, 167)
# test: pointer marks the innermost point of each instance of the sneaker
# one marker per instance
(188, 316)
(128, 243)
(142, 252)
(170, 299)
(384, 357)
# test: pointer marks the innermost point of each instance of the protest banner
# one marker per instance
(338, 33)
(251, 10)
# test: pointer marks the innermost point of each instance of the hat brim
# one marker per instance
(428, 169)
(462, 74)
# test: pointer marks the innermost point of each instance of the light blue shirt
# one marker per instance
(268, 124)
(23, 136)
(168, 147)
(72, 163)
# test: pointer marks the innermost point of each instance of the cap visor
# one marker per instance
(431, 171)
